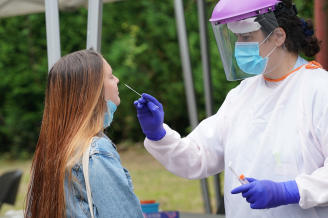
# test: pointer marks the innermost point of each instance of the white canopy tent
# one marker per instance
(51, 7)
(20, 7)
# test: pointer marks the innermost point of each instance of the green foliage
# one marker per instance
(305, 8)
(23, 67)
(139, 40)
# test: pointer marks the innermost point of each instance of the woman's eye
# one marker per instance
(246, 38)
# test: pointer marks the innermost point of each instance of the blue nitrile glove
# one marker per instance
(263, 194)
(151, 117)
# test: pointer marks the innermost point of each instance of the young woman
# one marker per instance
(80, 101)
(272, 127)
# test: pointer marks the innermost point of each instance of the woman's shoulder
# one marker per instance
(101, 144)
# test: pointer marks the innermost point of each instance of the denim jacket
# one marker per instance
(110, 183)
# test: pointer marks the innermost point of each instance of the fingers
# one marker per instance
(254, 206)
(257, 205)
(140, 103)
(147, 101)
(251, 199)
(142, 100)
(250, 179)
(242, 188)
(152, 107)
(249, 196)
(246, 194)
(151, 99)
(147, 104)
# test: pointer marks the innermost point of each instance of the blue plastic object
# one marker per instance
(150, 208)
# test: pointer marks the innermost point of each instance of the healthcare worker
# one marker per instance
(273, 127)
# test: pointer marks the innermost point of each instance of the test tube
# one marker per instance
(241, 178)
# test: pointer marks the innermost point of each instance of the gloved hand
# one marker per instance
(151, 117)
(263, 194)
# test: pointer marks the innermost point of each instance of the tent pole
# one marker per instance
(188, 82)
(53, 35)
(208, 88)
(94, 24)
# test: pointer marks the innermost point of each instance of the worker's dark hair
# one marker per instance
(300, 36)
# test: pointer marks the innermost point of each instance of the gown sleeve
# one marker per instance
(313, 187)
(198, 155)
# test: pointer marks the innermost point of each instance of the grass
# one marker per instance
(150, 179)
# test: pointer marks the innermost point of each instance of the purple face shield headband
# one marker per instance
(227, 11)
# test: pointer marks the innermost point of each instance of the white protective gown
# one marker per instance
(267, 130)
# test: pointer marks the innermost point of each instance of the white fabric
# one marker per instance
(20, 7)
(244, 26)
(276, 132)
(85, 163)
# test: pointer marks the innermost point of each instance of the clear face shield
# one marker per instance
(249, 47)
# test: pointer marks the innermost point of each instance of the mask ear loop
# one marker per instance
(272, 49)
(271, 52)
(265, 38)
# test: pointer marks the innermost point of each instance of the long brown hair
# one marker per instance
(73, 114)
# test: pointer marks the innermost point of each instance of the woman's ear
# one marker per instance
(279, 36)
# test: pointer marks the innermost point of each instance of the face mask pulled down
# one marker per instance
(109, 114)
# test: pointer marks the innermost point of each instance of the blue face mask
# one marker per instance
(248, 57)
(109, 114)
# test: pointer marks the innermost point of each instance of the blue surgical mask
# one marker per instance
(109, 114)
(248, 57)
